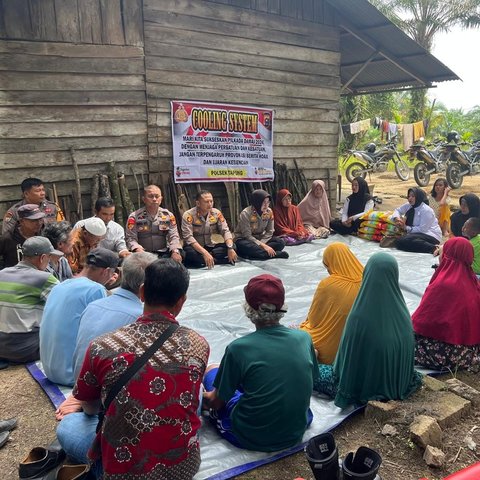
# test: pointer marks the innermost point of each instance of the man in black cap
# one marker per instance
(260, 394)
(25, 288)
(33, 192)
(30, 224)
(61, 317)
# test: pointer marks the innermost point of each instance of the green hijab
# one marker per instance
(375, 358)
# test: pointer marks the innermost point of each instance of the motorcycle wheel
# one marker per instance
(402, 170)
(454, 179)
(421, 176)
(354, 170)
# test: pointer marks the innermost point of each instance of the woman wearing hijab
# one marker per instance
(375, 359)
(418, 221)
(356, 204)
(469, 207)
(254, 232)
(333, 300)
(447, 321)
(288, 221)
(315, 210)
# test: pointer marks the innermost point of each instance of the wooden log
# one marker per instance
(94, 192)
(78, 189)
(104, 186)
(128, 205)
(116, 196)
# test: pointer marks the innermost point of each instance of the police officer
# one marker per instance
(153, 228)
(198, 225)
(33, 192)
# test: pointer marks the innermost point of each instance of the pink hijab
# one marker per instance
(315, 210)
(450, 307)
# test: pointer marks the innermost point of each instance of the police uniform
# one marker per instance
(53, 213)
(198, 229)
(155, 233)
(254, 229)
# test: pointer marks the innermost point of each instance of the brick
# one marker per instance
(433, 384)
(450, 408)
(381, 411)
(434, 457)
(463, 390)
(425, 431)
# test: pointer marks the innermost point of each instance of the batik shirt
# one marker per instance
(80, 249)
(150, 428)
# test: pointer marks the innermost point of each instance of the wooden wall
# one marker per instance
(254, 52)
(71, 75)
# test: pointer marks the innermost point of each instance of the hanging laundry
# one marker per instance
(364, 125)
(385, 129)
(418, 130)
(392, 130)
(407, 131)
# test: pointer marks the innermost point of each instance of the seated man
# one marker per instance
(30, 223)
(150, 429)
(198, 225)
(33, 192)
(153, 228)
(471, 230)
(260, 396)
(25, 288)
(84, 239)
(65, 305)
(60, 236)
(114, 239)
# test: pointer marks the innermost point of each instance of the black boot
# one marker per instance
(363, 465)
(322, 455)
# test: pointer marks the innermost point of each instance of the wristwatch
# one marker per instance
(230, 247)
(175, 250)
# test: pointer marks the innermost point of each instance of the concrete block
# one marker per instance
(433, 384)
(381, 411)
(425, 431)
(463, 390)
(450, 408)
(434, 457)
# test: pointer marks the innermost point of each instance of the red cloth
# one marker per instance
(150, 428)
(450, 307)
(288, 220)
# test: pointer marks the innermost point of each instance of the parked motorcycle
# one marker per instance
(372, 160)
(462, 162)
(430, 161)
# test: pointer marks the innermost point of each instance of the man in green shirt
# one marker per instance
(259, 396)
(471, 230)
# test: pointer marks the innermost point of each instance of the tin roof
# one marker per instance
(377, 56)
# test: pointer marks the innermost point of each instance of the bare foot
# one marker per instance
(70, 405)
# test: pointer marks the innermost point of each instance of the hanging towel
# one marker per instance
(364, 125)
(355, 127)
(418, 130)
(407, 130)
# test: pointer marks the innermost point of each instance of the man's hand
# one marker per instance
(232, 256)
(70, 405)
(176, 256)
(271, 252)
(139, 249)
(209, 261)
(124, 253)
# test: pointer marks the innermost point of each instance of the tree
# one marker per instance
(422, 20)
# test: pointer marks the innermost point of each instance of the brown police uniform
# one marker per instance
(155, 233)
(53, 213)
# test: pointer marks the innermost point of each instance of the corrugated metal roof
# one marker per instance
(377, 56)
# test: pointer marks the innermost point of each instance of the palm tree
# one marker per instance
(422, 20)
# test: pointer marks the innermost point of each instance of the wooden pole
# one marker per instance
(78, 191)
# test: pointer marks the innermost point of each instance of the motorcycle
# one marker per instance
(462, 162)
(372, 160)
(430, 161)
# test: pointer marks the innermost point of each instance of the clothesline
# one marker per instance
(408, 132)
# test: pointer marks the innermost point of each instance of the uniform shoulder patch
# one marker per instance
(131, 222)
(173, 221)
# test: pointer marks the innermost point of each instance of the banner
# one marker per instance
(215, 142)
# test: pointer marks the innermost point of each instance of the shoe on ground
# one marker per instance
(4, 364)
(282, 254)
(69, 472)
(38, 462)
(4, 438)
(8, 425)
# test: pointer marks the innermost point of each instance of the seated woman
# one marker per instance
(469, 207)
(288, 221)
(417, 219)
(315, 210)
(446, 323)
(375, 358)
(438, 202)
(254, 232)
(356, 204)
(333, 300)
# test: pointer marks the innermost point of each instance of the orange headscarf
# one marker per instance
(287, 219)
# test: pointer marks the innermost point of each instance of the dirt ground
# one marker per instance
(21, 397)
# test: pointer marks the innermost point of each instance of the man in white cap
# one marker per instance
(85, 238)
(64, 307)
(259, 396)
(25, 288)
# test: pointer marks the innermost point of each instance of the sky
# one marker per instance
(458, 51)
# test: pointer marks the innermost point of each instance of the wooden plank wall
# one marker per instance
(252, 52)
(71, 75)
